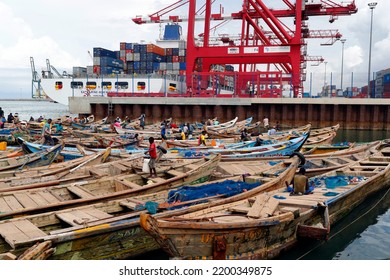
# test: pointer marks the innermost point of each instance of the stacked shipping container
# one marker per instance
(382, 84)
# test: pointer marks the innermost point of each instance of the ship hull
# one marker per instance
(60, 89)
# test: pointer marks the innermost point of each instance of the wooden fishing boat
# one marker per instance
(322, 139)
(104, 189)
(221, 126)
(261, 226)
(245, 150)
(90, 167)
(111, 230)
(313, 166)
(283, 148)
(324, 130)
(41, 158)
(326, 148)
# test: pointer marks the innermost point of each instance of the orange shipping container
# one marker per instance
(152, 48)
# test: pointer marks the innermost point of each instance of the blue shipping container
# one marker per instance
(98, 52)
(182, 66)
(386, 78)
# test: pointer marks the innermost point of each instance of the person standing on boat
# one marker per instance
(153, 157)
(10, 118)
(266, 123)
(46, 133)
(164, 131)
(300, 182)
(142, 121)
(202, 138)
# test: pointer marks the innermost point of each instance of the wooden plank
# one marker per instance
(240, 209)
(158, 180)
(37, 198)
(12, 161)
(12, 202)
(28, 228)
(269, 208)
(97, 172)
(4, 207)
(257, 206)
(25, 200)
(98, 222)
(79, 217)
(79, 192)
(175, 173)
(19, 231)
(120, 167)
(128, 184)
(48, 196)
(98, 214)
(12, 234)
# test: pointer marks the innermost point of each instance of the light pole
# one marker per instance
(342, 63)
(372, 7)
(325, 78)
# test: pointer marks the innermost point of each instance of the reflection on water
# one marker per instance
(360, 135)
(362, 235)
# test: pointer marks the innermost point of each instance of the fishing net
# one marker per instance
(226, 189)
(332, 182)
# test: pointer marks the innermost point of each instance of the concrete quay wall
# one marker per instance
(372, 114)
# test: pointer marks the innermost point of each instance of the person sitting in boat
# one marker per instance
(300, 182)
(202, 138)
(272, 131)
(59, 128)
(117, 123)
(182, 135)
(46, 133)
(258, 142)
(216, 122)
(244, 135)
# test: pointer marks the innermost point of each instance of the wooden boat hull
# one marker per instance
(204, 234)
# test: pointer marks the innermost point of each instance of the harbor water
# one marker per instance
(362, 235)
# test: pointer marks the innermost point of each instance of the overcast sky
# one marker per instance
(64, 32)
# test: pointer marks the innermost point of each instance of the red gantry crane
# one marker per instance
(265, 40)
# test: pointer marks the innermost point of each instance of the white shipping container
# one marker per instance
(96, 61)
(175, 66)
(137, 56)
(163, 66)
(129, 57)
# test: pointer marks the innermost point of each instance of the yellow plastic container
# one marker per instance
(3, 146)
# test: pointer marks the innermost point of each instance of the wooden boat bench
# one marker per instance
(97, 172)
(80, 192)
(20, 231)
(175, 173)
(12, 161)
(82, 217)
(121, 185)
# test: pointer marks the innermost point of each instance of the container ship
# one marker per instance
(134, 70)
